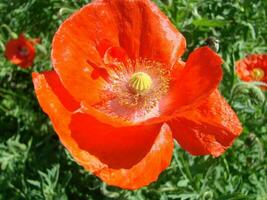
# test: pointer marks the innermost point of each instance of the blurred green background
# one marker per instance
(33, 163)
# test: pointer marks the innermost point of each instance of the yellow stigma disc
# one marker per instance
(257, 74)
(140, 82)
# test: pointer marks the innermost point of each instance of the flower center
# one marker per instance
(23, 51)
(140, 82)
(257, 74)
(135, 89)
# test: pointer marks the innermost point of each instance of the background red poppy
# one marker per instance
(20, 51)
(252, 68)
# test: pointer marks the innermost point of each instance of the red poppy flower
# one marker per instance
(253, 68)
(21, 51)
(120, 93)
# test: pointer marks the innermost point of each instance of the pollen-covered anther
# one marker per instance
(257, 74)
(140, 82)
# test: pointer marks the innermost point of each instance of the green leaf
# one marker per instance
(209, 23)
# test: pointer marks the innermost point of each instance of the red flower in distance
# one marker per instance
(253, 68)
(21, 51)
(119, 93)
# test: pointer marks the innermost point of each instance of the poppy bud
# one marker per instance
(251, 90)
(257, 94)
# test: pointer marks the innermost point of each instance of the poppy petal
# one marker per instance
(177, 69)
(136, 26)
(198, 79)
(142, 27)
(61, 118)
(209, 129)
(11, 51)
(139, 154)
(103, 46)
(63, 95)
(28, 61)
(148, 169)
(126, 151)
(117, 147)
(115, 54)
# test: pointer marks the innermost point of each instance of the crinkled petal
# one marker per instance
(143, 27)
(198, 79)
(209, 129)
(129, 157)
